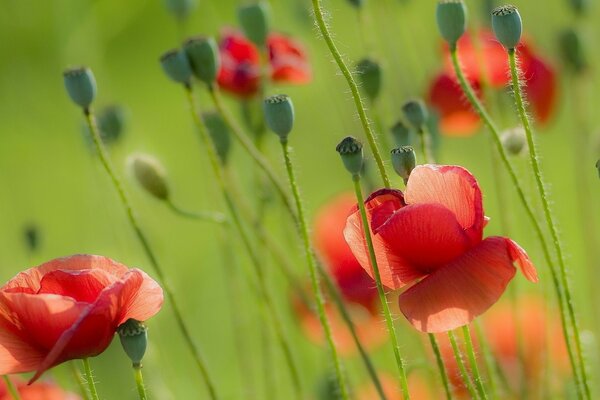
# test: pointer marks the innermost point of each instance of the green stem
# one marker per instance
(89, 377)
(255, 259)
(440, 363)
(541, 187)
(207, 216)
(314, 278)
(386, 309)
(489, 360)
(487, 120)
(78, 378)
(473, 361)
(14, 393)
(358, 101)
(462, 369)
(139, 382)
(105, 160)
(424, 140)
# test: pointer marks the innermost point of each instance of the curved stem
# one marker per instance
(489, 360)
(358, 101)
(440, 363)
(462, 369)
(541, 186)
(386, 309)
(473, 361)
(105, 160)
(80, 383)
(14, 393)
(314, 278)
(89, 377)
(139, 382)
(208, 216)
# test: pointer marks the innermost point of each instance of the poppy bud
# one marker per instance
(416, 113)
(401, 134)
(351, 151)
(177, 66)
(134, 339)
(369, 74)
(111, 122)
(507, 25)
(219, 133)
(404, 161)
(279, 115)
(203, 56)
(81, 86)
(150, 174)
(579, 6)
(572, 50)
(181, 9)
(254, 19)
(514, 141)
(451, 17)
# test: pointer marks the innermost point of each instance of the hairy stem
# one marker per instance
(440, 363)
(89, 377)
(462, 369)
(473, 361)
(139, 382)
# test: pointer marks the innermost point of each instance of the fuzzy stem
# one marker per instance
(489, 360)
(461, 365)
(541, 187)
(358, 101)
(380, 290)
(105, 160)
(207, 216)
(139, 382)
(440, 363)
(89, 377)
(14, 393)
(473, 361)
(79, 380)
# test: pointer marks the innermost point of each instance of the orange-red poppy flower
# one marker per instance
(69, 308)
(36, 391)
(240, 63)
(431, 237)
(485, 61)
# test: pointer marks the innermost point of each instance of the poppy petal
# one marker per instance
(288, 60)
(239, 73)
(81, 285)
(540, 88)
(16, 354)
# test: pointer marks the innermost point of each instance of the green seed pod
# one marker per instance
(279, 115)
(81, 86)
(401, 134)
(255, 20)
(404, 161)
(351, 151)
(220, 134)
(572, 51)
(203, 56)
(150, 174)
(111, 123)
(181, 9)
(507, 25)
(134, 339)
(514, 141)
(451, 17)
(177, 66)
(416, 113)
(369, 74)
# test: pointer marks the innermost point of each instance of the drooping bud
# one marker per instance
(219, 133)
(255, 20)
(514, 140)
(150, 174)
(404, 161)
(181, 9)
(81, 86)
(572, 50)
(279, 115)
(351, 151)
(451, 17)
(111, 123)
(369, 75)
(507, 25)
(176, 66)
(416, 113)
(134, 339)
(204, 59)
(401, 134)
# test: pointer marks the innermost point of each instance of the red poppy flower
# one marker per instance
(36, 391)
(457, 116)
(240, 63)
(432, 234)
(69, 308)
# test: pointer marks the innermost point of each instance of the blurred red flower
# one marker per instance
(69, 308)
(418, 387)
(36, 391)
(240, 63)
(486, 61)
(432, 234)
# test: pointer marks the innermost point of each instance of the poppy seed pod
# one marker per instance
(572, 50)
(279, 114)
(404, 161)
(369, 75)
(451, 17)
(81, 85)
(111, 122)
(507, 25)
(401, 134)
(219, 133)
(416, 113)
(150, 174)
(514, 140)
(177, 66)
(351, 151)
(203, 56)
(255, 21)
(134, 339)
(181, 9)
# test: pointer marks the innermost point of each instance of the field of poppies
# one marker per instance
(299, 199)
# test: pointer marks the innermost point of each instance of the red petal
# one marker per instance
(453, 187)
(454, 295)
(16, 354)
(82, 285)
(240, 65)
(540, 88)
(288, 60)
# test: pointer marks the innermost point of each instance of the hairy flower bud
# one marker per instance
(416, 113)
(514, 140)
(369, 75)
(401, 134)
(176, 66)
(150, 174)
(219, 133)
(572, 50)
(255, 20)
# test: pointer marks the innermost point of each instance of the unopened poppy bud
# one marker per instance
(451, 17)
(219, 133)
(81, 86)
(579, 6)
(351, 151)
(181, 9)
(416, 113)
(572, 51)
(507, 25)
(255, 20)
(369, 75)
(279, 115)
(134, 339)
(177, 66)
(203, 56)
(404, 161)
(150, 174)
(514, 140)
(401, 134)
(111, 122)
